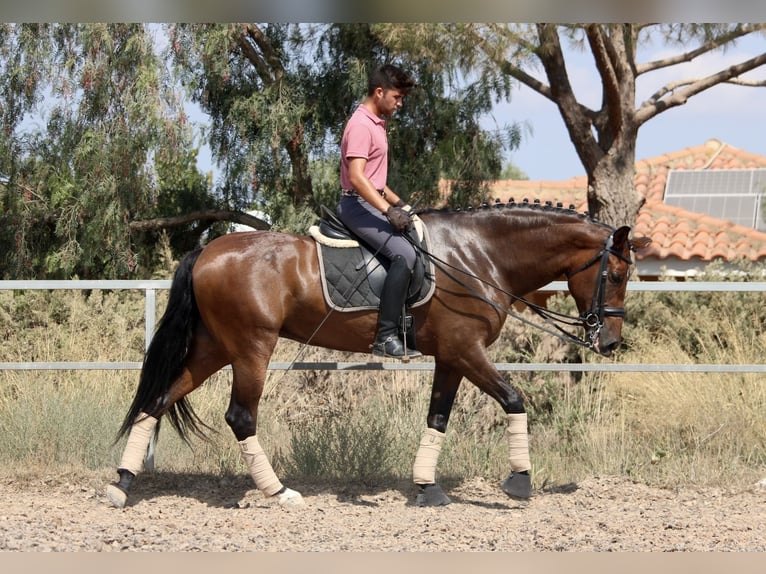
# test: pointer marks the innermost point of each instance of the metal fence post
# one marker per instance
(149, 316)
(150, 301)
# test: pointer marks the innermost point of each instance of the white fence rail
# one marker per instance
(150, 288)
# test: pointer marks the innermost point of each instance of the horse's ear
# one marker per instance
(639, 242)
(621, 236)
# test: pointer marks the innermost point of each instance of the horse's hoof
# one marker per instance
(518, 486)
(117, 496)
(291, 499)
(432, 495)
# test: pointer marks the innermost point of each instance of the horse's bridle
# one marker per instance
(593, 318)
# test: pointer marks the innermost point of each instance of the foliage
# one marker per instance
(662, 319)
(334, 448)
(98, 156)
(278, 96)
(114, 145)
(113, 163)
(512, 171)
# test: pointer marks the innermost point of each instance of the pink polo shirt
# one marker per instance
(365, 136)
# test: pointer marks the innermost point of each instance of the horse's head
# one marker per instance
(598, 286)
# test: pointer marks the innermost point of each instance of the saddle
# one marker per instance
(352, 275)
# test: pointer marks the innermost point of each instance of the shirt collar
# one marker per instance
(373, 117)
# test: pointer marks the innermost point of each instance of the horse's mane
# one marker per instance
(534, 207)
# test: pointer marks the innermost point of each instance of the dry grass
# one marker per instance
(667, 429)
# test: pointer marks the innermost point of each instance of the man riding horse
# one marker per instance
(371, 209)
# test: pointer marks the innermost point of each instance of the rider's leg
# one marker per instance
(373, 228)
(387, 342)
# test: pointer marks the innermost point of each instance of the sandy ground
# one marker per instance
(178, 512)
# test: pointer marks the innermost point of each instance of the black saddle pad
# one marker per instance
(352, 276)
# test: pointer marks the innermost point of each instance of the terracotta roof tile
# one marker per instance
(675, 232)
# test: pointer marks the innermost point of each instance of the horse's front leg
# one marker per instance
(481, 372)
(443, 391)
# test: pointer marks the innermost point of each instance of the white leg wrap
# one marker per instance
(519, 442)
(138, 441)
(424, 468)
(260, 468)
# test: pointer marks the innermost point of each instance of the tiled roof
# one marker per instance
(675, 232)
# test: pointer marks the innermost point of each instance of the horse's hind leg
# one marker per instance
(249, 376)
(140, 436)
(205, 358)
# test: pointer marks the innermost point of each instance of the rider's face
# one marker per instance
(388, 101)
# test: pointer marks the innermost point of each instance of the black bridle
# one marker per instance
(592, 320)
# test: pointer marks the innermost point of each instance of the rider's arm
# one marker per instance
(364, 187)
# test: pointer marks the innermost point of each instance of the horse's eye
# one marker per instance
(615, 277)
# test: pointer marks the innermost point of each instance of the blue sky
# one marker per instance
(735, 115)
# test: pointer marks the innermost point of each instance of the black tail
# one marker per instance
(165, 356)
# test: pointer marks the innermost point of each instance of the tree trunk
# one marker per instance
(605, 139)
(301, 186)
(612, 195)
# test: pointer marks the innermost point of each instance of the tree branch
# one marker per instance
(602, 57)
(517, 73)
(267, 63)
(670, 96)
(612, 48)
(747, 83)
(204, 215)
(577, 118)
(713, 44)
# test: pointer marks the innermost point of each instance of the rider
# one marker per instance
(370, 208)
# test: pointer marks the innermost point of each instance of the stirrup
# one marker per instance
(393, 347)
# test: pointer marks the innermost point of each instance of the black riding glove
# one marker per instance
(404, 205)
(399, 219)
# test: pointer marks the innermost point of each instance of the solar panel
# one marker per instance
(736, 195)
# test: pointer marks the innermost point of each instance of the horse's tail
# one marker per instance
(166, 354)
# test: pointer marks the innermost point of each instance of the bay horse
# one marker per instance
(231, 301)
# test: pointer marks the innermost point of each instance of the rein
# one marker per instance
(593, 319)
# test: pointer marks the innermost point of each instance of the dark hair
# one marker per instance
(390, 77)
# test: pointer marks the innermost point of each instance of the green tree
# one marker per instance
(23, 54)
(278, 96)
(85, 175)
(512, 171)
(108, 162)
(97, 153)
(605, 137)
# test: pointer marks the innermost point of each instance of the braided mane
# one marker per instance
(534, 206)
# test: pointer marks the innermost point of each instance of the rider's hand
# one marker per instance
(405, 206)
(399, 218)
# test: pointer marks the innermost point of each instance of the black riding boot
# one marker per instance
(387, 342)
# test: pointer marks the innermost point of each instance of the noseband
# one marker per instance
(593, 319)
